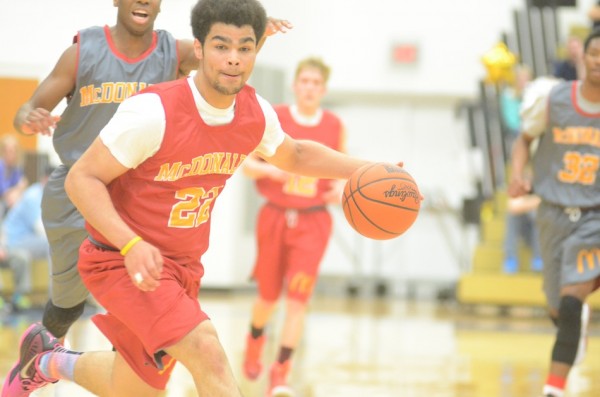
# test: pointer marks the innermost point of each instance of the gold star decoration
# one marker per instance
(499, 63)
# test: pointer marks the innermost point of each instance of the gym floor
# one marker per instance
(373, 346)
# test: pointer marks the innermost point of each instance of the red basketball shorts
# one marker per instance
(291, 245)
(140, 324)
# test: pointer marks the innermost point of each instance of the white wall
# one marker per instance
(354, 36)
(392, 112)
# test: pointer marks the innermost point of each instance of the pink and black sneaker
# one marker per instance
(25, 376)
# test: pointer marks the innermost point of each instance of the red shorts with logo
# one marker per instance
(140, 324)
(291, 244)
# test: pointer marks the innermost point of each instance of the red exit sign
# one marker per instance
(404, 53)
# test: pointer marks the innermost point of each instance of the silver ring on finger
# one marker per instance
(138, 278)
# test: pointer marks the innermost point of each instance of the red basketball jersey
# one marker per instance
(302, 191)
(169, 197)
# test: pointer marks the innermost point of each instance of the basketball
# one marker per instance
(381, 201)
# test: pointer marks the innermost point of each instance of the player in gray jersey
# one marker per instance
(102, 67)
(566, 124)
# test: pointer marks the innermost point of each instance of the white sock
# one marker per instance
(553, 391)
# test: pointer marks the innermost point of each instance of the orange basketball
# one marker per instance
(381, 201)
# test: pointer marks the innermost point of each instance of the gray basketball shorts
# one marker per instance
(570, 247)
(65, 229)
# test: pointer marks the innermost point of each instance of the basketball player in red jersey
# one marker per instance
(293, 226)
(146, 188)
(96, 73)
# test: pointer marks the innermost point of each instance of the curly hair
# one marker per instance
(594, 35)
(231, 12)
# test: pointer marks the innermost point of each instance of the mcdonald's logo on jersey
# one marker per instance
(587, 259)
(577, 136)
(210, 163)
(109, 92)
(302, 283)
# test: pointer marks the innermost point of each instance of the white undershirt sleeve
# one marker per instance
(136, 130)
(534, 107)
(274, 134)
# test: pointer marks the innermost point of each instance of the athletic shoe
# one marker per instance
(551, 391)
(278, 380)
(583, 336)
(252, 356)
(25, 376)
(510, 265)
(537, 264)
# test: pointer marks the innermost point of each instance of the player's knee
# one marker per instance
(301, 294)
(295, 305)
(569, 330)
(58, 320)
(268, 297)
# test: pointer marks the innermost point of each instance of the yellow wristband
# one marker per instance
(130, 244)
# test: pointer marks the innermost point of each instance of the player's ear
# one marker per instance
(198, 49)
(115, 3)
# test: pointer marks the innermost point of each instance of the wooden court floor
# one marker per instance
(374, 347)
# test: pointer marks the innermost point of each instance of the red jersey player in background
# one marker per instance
(293, 226)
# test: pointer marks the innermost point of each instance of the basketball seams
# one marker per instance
(350, 199)
(362, 173)
(347, 210)
(401, 207)
(365, 206)
(364, 216)
(346, 206)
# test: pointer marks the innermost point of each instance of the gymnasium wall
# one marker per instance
(392, 111)
(356, 37)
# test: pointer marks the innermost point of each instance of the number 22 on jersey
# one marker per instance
(193, 208)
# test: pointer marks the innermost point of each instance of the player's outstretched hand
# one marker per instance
(518, 187)
(276, 25)
(401, 165)
(144, 264)
(39, 121)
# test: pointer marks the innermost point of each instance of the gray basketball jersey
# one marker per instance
(567, 159)
(104, 79)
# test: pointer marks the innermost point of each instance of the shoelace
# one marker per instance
(30, 384)
(36, 379)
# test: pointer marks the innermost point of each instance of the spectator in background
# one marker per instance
(520, 226)
(19, 263)
(510, 102)
(520, 217)
(12, 177)
(22, 226)
(571, 67)
(24, 240)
